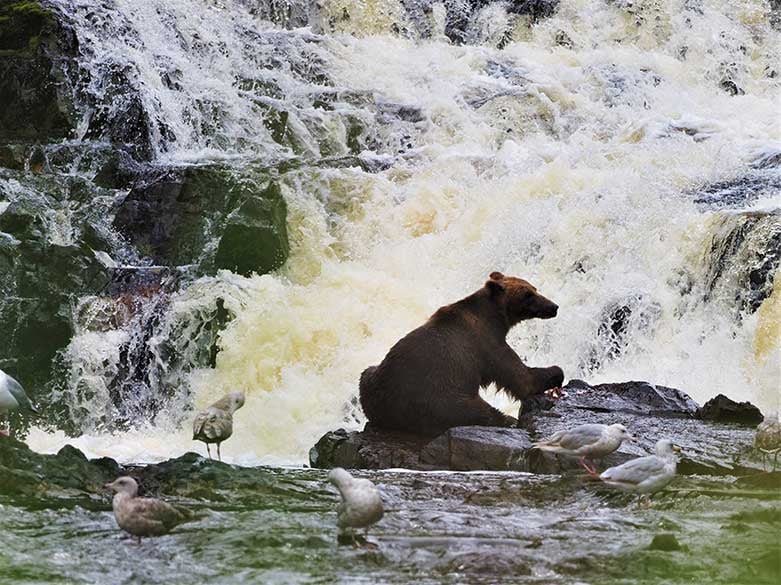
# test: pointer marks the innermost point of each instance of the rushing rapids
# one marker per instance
(622, 156)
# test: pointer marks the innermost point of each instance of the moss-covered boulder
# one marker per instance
(35, 105)
(25, 473)
(213, 217)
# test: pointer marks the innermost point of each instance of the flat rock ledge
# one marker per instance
(712, 444)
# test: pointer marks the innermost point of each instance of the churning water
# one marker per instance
(608, 153)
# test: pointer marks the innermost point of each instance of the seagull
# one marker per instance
(767, 440)
(586, 441)
(143, 516)
(215, 424)
(361, 504)
(13, 396)
(645, 475)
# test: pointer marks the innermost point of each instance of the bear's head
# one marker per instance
(521, 299)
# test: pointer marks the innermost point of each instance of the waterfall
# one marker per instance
(621, 156)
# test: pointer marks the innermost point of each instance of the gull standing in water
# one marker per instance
(215, 424)
(586, 441)
(12, 396)
(645, 475)
(361, 504)
(143, 516)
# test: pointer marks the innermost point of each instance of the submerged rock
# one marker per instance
(665, 542)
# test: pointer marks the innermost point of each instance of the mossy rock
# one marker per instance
(25, 473)
(255, 236)
(34, 105)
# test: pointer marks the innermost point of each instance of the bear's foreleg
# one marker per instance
(510, 374)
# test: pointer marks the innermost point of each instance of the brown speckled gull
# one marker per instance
(143, 516)
(215, 424)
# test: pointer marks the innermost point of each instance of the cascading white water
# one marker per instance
(573, 166)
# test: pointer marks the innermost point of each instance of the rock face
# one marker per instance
(649, 412)
(34, 105)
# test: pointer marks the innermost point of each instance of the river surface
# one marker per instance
(278, 526)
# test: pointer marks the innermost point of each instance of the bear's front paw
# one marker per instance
(555, 393)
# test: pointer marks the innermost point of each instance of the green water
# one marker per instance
(278, 526)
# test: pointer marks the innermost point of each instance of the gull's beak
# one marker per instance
(631, 437)
(677, 448)
(109, 486)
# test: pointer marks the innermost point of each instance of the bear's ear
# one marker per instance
(496, 276)
(494, 286)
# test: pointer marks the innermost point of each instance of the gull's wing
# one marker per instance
(635, 471)
(213, 424)
(581, 436)
(152, 510)
(16, 390)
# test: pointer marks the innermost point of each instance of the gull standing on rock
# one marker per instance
(586, 441)
(215, 424)
(143, 516)
(645, 475)
(12, 396)
(361, 504)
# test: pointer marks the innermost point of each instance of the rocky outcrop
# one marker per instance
(649, 411)
(178, 216)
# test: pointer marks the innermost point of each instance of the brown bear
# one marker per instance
(430, 380)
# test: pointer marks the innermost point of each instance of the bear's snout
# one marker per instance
(547, 309)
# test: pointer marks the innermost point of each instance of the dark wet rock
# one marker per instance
(35, 105)
(744, 258)
(724, 409)
(731, 87)
(369, 449)
(650, 412)
(665, 542)
(476, 448)
(177, 218)
(389, 111)
(461, 13)
(619, 321)
(638, 398)
(739, 191)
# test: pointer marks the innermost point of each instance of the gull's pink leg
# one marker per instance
(590, 469)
